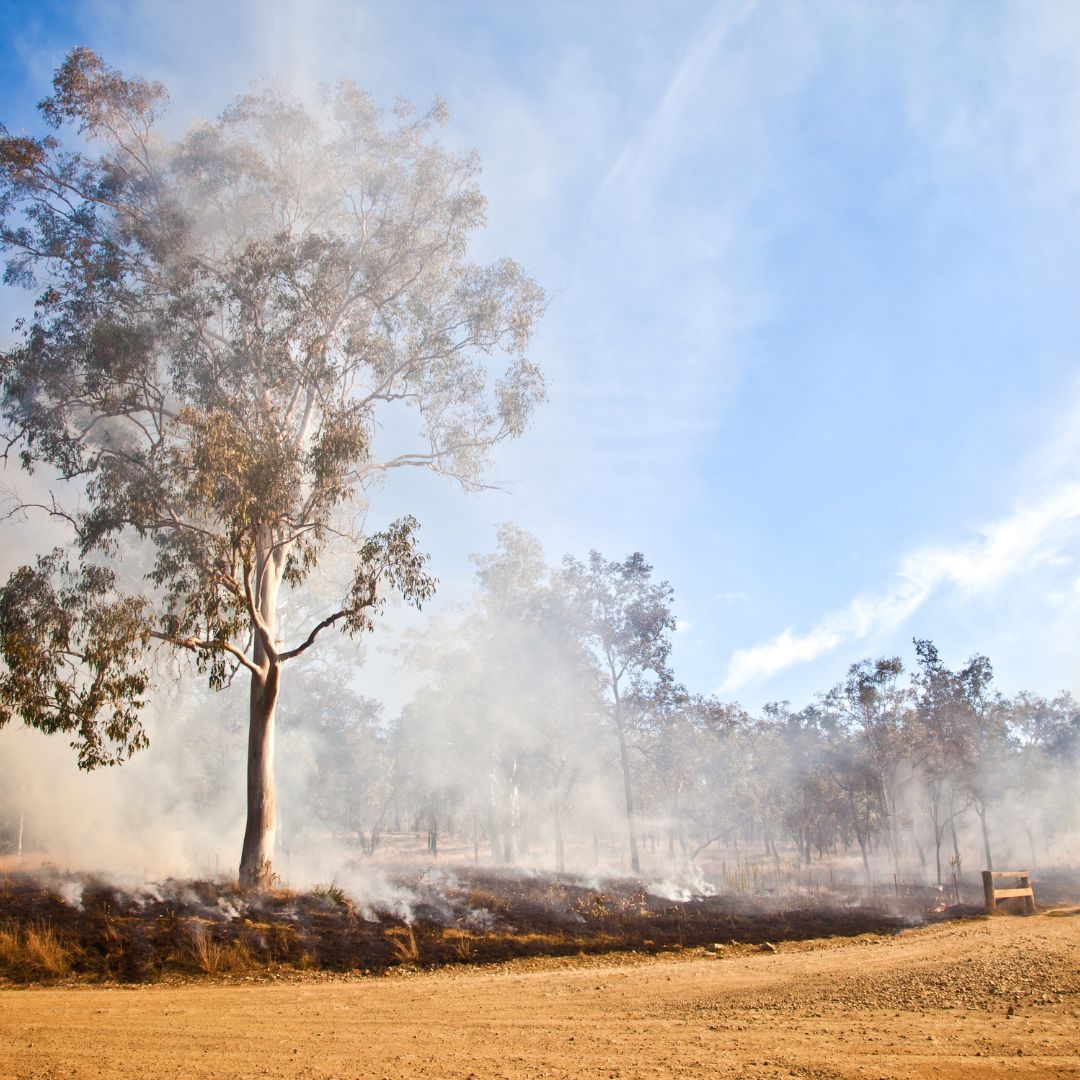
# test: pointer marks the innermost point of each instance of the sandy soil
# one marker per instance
(980, 998)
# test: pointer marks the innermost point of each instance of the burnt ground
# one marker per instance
(64, 926)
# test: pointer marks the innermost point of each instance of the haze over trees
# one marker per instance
(519, 738)
(223, 322)
(626, 620)
(238, 333)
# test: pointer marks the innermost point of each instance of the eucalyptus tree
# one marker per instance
(224, 321)
(855, 776)
(940, 732)
(973, 722)
(670, 739)
(874, 703)
(1046, 763)
(625, 618)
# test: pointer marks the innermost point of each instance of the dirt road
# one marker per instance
(982, 998)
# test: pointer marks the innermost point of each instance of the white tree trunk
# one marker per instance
(257, 857)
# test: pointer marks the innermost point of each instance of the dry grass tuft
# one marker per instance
(218, 957)
(33, 950)
(463, 944)
(206, 953)
(403, 942)
(333, 894)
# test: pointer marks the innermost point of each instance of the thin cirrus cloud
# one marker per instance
(1031, 535)
(646, 155)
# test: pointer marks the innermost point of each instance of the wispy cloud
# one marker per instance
(646, 155)
(737, 597)
(1032, 535)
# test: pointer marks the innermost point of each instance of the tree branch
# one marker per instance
(196, 645)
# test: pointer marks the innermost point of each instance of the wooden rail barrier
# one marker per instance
(1023, 888)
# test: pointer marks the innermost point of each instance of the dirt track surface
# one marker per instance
(980, 998)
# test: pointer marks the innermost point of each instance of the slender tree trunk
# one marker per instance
(935, 821)
(859, 836)
(513, 831)
(631, 830)
(510, 819)
(433, 834)
(919, 849)
(980, 809)
(560, 858)
(256, 859)
(493, 817)
(888, 802)
(624, 760)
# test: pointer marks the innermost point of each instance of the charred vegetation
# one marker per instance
(83, 928)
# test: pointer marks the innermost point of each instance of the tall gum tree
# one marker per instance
(222, 322)
(625, 619)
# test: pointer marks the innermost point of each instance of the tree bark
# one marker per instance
(631, 831)
(256, 861)
(955, 844)
(859, 836)
(257, 857)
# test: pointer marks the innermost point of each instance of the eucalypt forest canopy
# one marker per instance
(220, 320)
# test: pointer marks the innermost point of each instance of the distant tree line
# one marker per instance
(549, 717)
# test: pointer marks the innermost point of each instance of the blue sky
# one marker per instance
(816, 313)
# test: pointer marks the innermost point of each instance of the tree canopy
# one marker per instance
(223, 322)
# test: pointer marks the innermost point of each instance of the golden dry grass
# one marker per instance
(215, 957)
(33, 951)
(463, 944)
(403, 941)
